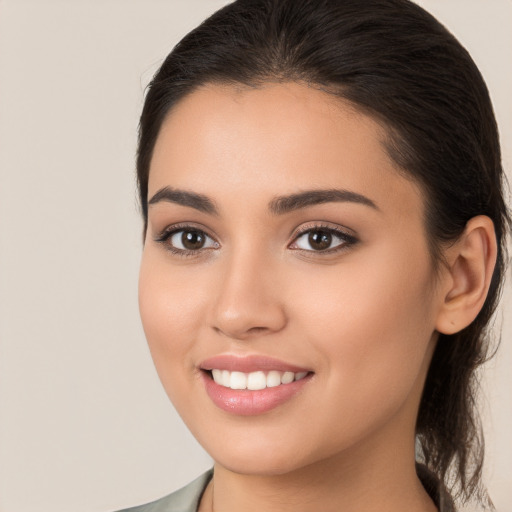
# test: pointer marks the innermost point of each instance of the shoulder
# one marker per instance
(185, 499)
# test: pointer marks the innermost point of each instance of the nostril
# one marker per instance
(256, 330)
(243, 321)
(241, 334)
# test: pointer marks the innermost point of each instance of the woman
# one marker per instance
(324, 246)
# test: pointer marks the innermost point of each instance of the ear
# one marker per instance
(471, 262)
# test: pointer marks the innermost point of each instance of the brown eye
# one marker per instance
(320, 240)
(193, 240)
(185, 240)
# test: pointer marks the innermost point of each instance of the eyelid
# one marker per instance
(347, 235)
(182, 226)
(165, 234)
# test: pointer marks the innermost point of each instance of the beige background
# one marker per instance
(84, 425)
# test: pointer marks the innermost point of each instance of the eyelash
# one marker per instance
(346, 240)
(169, 232)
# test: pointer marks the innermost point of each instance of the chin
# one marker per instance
(257, 454)
(261, 465)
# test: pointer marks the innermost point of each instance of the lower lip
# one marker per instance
(245, 402)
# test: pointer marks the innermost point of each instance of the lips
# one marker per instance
(254, 380)
(253, 384)
(248, 364)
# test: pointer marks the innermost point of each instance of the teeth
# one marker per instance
(238, 380)
(217, 376)
(287, 377)
(254, 380)
(273, 379)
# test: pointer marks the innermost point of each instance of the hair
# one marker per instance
(398, 64)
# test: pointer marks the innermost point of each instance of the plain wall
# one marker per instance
(84, 423)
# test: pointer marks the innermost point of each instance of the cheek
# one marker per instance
(171, 304)
(370, 292)
(372, 323)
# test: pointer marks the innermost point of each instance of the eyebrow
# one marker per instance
(284, 204)
(278, 206)
(184, 198)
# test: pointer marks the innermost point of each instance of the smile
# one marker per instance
(254, 381)
(252, 384)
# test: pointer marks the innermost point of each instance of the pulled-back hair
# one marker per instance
(396, 63)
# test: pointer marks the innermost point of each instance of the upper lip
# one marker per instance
(248, 364)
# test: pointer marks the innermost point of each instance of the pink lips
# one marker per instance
(247, 402)
(248, 364)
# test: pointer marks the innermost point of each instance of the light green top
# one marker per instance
(184, 500)
(187, 499)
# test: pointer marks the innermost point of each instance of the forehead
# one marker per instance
(279, 138)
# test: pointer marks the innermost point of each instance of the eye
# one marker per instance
(322, 239)
(186, 240)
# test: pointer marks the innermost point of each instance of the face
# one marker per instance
(286, 288)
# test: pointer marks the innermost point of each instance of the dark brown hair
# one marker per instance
(398, 64)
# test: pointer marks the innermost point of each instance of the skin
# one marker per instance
(362, 319)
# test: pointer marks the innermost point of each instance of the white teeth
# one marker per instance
(254, 380)
(287, 377)
(217, 375)
(238, 380)
(273, 379)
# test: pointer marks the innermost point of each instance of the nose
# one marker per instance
(249, 299)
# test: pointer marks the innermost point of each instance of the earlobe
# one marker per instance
(471, 262)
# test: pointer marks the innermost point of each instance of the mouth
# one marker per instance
(256, 380)
(253, 384)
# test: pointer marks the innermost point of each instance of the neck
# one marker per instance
(377, 474)
(367, 479)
